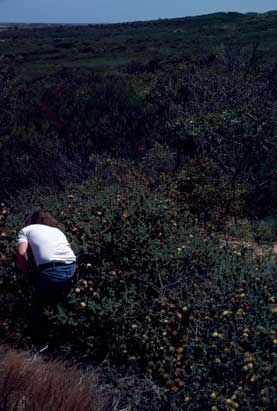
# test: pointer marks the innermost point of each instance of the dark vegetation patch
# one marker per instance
(146, 140)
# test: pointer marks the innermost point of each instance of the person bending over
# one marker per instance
(56, 266)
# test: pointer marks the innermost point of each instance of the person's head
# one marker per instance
(42, 217)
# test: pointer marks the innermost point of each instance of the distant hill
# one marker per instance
(45, 48)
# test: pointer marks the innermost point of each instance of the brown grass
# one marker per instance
(28, 384)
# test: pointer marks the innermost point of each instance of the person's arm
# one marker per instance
(21, 256)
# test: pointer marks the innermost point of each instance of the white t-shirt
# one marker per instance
(48, 244)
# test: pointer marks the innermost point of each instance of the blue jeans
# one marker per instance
(52, 286)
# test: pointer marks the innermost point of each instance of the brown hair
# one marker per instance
(42, 217)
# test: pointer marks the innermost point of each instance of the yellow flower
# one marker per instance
(225, 312)
(77, 290)
(83, 304)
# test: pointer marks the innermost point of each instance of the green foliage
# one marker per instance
(216, 112)
(205, 191)
(143, 143)
(159, 159)
(265, 230)
(154, 296)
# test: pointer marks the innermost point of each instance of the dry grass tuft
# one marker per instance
(28, 384)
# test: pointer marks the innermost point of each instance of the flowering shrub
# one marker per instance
(156, 298)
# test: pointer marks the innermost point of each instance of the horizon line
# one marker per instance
(131, 21)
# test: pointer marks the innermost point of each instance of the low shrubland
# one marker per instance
(214, 125)
(158, 169)
(157, 299)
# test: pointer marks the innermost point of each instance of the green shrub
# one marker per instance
(204, 191)
(265, 230)
(155, 298)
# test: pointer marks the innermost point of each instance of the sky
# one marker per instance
(108, 11)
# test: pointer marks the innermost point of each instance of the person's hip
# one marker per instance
(57, 272)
